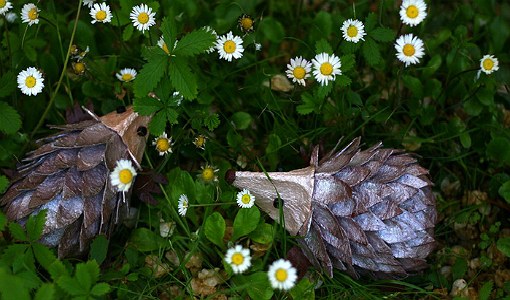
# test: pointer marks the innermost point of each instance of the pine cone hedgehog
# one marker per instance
(366, 212)
(82, 176)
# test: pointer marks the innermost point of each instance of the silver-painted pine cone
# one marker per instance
(68, 175)
(366, 212)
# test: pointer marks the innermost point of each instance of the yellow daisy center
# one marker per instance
(165, 48)
(127, 77)
(30, 81)
(488, 64)
(326, 68)
(162, 145)
(2, 3)
(79, 67)
(143, 17)
(412, 11)
(247, 23)
(237, 258)
(246, 198)
(32, 14)
(229, 47)
(299, 72)
(409, 50)
(281, 275)
(101, 15)
(125, 176)
(200, 141)
(208, 174)
(352, 31)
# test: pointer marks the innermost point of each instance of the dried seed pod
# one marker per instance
(68, 175)
(367, 212)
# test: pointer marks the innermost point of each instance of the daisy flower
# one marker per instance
(208, 173)
(298, 70)
(183, 205)
(210, 30)
(353, 30)
(10, 17)
(163, 144)
(258, 47)
(30, 81)
(282, 274)
(126, 74)
(5, 6)
(79, 67)
(409, 49)
(326, 67)
(199, 141)
(123, 175)
(230, 46)
(88, 3)
(245, 23)
(245, 199)
(162, 45)
(30, 14)
(142, 17)
(238, 258)
(412, 12)
(489, 64)
(177, 98)
(100, 13)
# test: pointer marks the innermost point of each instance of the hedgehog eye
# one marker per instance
(276, 202)
(121, 109)
(142, 131)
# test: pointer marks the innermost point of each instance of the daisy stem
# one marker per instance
(64, 68)
(211, 204)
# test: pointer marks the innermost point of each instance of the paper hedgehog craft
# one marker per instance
(366, 212)
(70, 175)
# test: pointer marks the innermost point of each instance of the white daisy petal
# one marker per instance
(238, 258)
(88, 3)
(30, 81)
(30, 14)
(126, 74)
(409, 49)
(183, 205)
(229, 46)
(101, 13)
(413, 12)
(163, 144)
(353, 30)
(489, 64)
(209, 29)
(298, 70)
(142, 17)
(5, 6)
(282, 275)
(245, 199)
(123, 175)
(326, 67)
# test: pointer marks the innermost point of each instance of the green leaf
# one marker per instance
(257, 285)
(194, 43)
(348, 62)
(10, 122)
(45, 292)
(309, 105)
(4, 183)
(44, 256)
(433, 65)
(322, 92)
(323, 22)
(172, 115)
(371, 52)
(57, 270)
(3, 221)
(504, 191)
(12, 287)
(485, 291)
(382, 34)
(71, 286)
(214, 228)
(99, 248)
(459, 268)
(354, 98)
(17, 232)
(414, 85)
(211, 121)
(272, 29)
(473, 107)
(322, 46)
(241, 120)
(158, 123)
(169, 30)
(147, 105)
(498, 150)
(144, 239)
(245, 222)
(263, 234)
(343, 80)
(183, 80)
(87, 274)
(151, 73)
(303, 290)
(35, 225)
(7, 84)
(127, 33)
(465, 139)
(503, 245)
(485, 96)
(100, 289)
